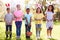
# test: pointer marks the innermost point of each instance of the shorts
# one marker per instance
(38, 25)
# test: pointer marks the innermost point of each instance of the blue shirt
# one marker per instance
(28, 16)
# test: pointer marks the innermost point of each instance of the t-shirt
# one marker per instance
(28, 16)
(8, 18)
(38, 16)
(49, 15)
(19, 15)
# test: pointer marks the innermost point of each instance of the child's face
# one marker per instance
(18, 7)
(8, 11)
(50, 8)
(28, 11)
(39, 10)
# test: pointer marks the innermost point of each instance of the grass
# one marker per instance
(55, 32)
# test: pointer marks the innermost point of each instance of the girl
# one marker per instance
(18, 14)
(38, 18)
(49, 19)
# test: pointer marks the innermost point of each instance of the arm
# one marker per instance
(30, 21)
(46, 18)
(53, 16)
(25, 18)
(41, 17)
(5, 18)
(12, 17)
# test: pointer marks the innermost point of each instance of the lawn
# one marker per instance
(55, 32)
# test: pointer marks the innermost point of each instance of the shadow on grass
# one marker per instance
(28, 39)
(18, 39)
(52, 39)
(12, 39)
(40, 39)
(7, 39)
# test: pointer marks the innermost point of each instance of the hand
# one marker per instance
(47, 20)
(37, 19)
(51, 20)
(29, 24)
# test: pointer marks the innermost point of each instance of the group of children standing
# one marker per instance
(38, 16)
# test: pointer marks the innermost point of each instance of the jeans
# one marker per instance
(8, 28)
(27, 30)
(38, 26)
(18, 27)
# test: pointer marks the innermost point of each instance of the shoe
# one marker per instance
(49, 37)
(38, 38)
(18, 37)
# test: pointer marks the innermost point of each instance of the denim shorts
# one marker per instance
(38, 25)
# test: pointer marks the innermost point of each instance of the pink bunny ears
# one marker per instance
(7, 5)
(38, 5)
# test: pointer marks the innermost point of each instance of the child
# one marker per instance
(18, 15)
(28, 21)
(8, 20)
(38, 19)
(49, 20)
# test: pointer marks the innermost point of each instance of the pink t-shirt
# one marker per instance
(18, 14)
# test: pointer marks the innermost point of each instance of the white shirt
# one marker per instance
(49, 15)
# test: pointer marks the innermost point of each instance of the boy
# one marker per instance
(28, 21)
(8, 20)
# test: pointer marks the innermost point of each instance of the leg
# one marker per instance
(39, 27)
(26, 27)
(17, 32)
(48, 31)
(6, 31)
(29, 27)
(27, 30)
(37, 31)
(10, 29)
(16, 28)
(20, 23)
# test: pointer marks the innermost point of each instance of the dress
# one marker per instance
(49, 22)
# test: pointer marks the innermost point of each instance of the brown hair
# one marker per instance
(52, 8)
(37, 10)
(8, 9)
